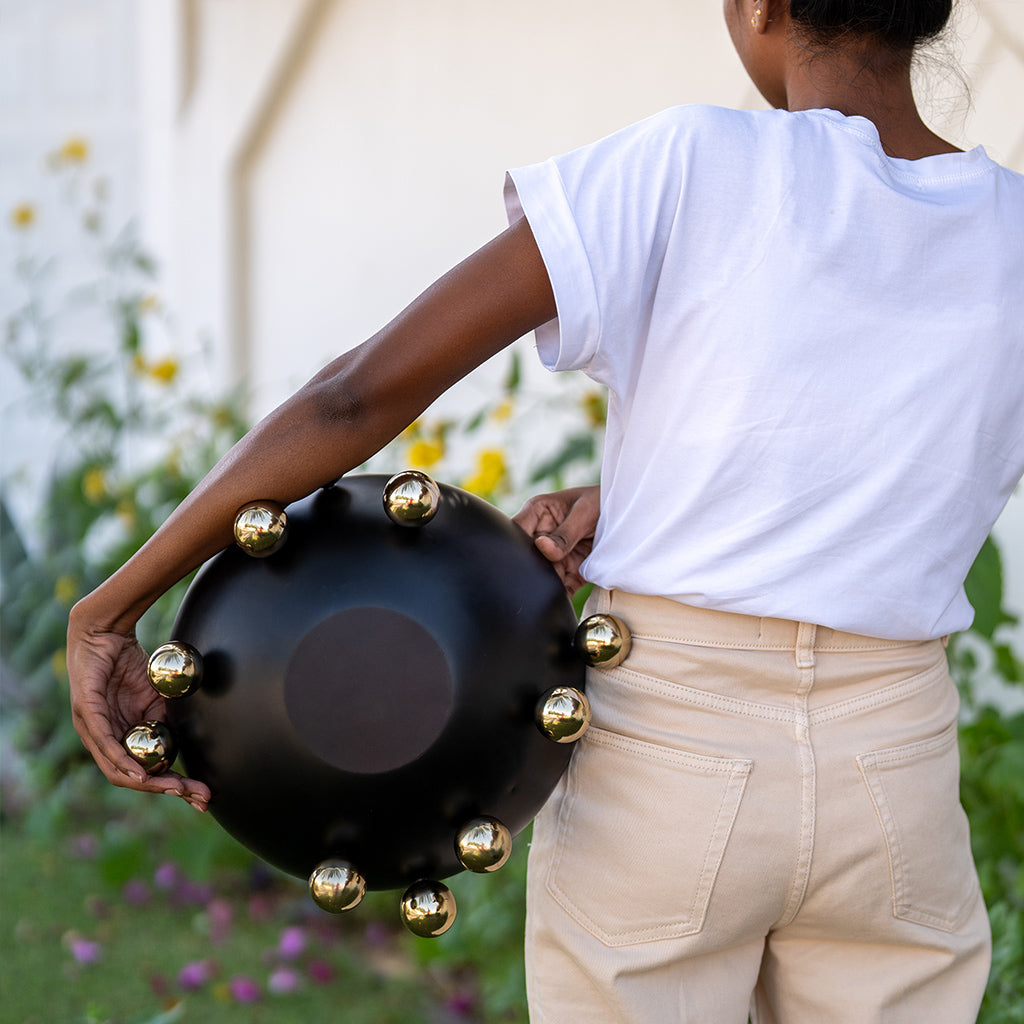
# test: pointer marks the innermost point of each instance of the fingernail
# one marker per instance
(198, 805)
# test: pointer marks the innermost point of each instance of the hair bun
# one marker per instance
(899, 24)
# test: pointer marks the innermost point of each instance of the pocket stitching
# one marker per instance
(901, 907)
(737, 770)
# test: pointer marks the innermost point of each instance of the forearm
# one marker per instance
(344, 415)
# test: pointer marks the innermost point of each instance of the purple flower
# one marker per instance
(260, 907)
(166, 876)
(135, 892)
(283, 980)
(193, 892)
(376, 933)
(320, 972)
(244, 989)
(194, 975)
(459, 1004)
(219, 916)
(85, 846)
(84, 951)
(292, 943)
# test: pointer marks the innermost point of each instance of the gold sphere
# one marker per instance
(428, 909)
(483, 844)
(411, 498)
(175, 669)
(602, 640)
(260, 528)
(152, 745)
(563, 714)
(336, 886)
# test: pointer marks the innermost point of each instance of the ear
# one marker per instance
(768, 14)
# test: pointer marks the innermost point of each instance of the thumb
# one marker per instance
(551, 546)
(576, 526)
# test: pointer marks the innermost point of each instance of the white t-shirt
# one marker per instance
(815, 358)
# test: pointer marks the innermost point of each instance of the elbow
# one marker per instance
(337, 403)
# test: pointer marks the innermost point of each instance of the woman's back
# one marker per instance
(814, 354)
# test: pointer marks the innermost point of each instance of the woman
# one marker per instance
(810, 323)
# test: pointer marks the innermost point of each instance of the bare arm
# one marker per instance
(343, 415)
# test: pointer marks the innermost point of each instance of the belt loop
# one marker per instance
(805, 636)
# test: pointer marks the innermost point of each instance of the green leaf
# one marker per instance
(131, 336)
(577, 448)
(514, 376)
(984, 586)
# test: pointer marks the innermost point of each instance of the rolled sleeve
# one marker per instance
(570, 341)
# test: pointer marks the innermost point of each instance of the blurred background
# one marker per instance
(204, 201)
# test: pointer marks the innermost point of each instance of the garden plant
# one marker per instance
(121, 908)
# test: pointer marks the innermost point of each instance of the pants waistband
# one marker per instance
(661, 618)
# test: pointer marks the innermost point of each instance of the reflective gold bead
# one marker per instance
(602, 640)
(152, 744)
(563, 714)
(175, 669)
(483, 844)
(260, 528)
(411, 498)
(336, 886)
(428, 909)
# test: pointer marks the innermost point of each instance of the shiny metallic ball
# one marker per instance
(602, 640)
(563, 714)
(175, 669)
(336, 886)
(483, 844)
(152, 744)
(411, 498)
(428, 909)
(260, 528)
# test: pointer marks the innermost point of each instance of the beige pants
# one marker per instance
(764, 817)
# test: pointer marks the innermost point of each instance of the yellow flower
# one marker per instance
(23, 216)
(149, 303)
(94, 484)
(424, 454)
(75, 150)
(65, 590)
(502, 411)
(595, 406)
(59, 663)
(126, 512)
(164, 371)
(412, 431)
(490, 472)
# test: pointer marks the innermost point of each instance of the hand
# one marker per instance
(562, 526)
(110, 692)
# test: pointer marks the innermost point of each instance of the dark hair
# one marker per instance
(896, 24)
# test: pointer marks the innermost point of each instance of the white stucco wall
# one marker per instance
(305, 167)
(332, 158)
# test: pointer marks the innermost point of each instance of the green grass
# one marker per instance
(99, 888)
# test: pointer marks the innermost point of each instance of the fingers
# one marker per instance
(541, 513)
(120, 769)
(576, 527)
(565, 517)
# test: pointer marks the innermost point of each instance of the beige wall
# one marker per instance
(313, 164)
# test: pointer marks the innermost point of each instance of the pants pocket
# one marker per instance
(916, 793)
(641, 833)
